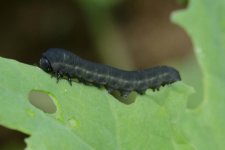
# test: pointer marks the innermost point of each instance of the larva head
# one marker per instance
(173, 75)
(45, 64)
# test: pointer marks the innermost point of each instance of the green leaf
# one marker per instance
(204, 21)
(88, 117)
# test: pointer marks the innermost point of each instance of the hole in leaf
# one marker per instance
(11, 139)
(42, 101)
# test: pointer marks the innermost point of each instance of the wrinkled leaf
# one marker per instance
(204, 21)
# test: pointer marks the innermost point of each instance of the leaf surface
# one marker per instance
(88, 117)
(204, 21)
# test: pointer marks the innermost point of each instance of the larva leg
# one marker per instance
(59, 75)
(155, 89)
(69, 78)
(82, 81)
(52, 75)
(141, 92)
(110, 90)
(97, 85)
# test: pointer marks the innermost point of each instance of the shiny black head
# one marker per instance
(45, 64)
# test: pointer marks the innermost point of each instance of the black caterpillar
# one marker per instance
(62, 63)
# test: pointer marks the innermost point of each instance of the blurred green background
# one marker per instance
(128, 34)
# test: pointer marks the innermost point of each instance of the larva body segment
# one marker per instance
(60, 62)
